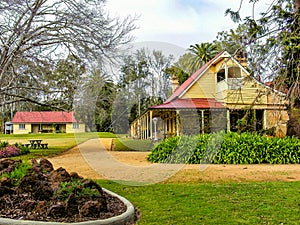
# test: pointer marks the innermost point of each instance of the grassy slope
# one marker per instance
(230, 203)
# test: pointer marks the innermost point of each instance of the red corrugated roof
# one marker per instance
(44, 117)
(191, 79)
(191, 103)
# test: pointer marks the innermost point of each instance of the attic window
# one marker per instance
(221, 75)
(234, 72)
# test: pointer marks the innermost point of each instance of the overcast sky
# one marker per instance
(180, 22)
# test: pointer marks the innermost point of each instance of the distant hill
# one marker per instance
(165, 47)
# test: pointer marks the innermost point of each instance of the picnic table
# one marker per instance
(37, 143)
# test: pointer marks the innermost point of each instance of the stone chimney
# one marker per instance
(241, 57)
(174, 83)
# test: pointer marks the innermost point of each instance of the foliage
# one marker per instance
(145, 103)
(272, 44)
(3, 144)
(35, 34)
(234, 148)
(18, 173)
(9, 151)
(104, 107)
(143, 82)
(202, 53)
(194, 59)
(23, 149)
(76, 187)
(177, 73)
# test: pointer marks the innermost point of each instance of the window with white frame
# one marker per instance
(75, 125)
(22, 126)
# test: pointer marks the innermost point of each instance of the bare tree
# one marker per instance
(33, 33)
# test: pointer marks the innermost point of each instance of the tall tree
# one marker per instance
(36, 32)
(274, 40)
(144, 80)
(94, 100)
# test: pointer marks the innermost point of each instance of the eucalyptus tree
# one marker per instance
(144, 80)
(35, 33)
(274, 39)
(94, 100)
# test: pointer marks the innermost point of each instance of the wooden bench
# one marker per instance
(44, 146)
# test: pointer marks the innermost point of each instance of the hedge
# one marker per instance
(227, 148)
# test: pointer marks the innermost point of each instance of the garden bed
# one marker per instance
(37, 192)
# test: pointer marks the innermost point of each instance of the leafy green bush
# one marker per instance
(77, 188)
(18, 173)
(23, 149)
(3, 144)
(227, 148)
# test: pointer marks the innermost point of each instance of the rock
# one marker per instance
(6, 182)
(8, 165)
(40, 207)
(4, 190)
(37, 184)
(42, 190)
(90, 209)
(75, 175)
(56, 211)
(45, 165)
(72, 205)
(59, 175)
(28, 205)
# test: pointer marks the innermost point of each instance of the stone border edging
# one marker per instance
(126, 217)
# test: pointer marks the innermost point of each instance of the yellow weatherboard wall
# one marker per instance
(203, 88)
(27, 129)
(70, 129)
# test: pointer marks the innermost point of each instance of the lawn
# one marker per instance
(127, 144)
(56, 142)
(191, 203)
(219, 203)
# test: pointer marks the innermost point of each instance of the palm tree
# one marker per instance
(202, 53)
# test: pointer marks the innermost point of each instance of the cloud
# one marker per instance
(181, 22)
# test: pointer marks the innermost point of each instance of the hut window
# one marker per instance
(22, 126)
(221, 75)
(75, 125)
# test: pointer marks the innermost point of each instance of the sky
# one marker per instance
(180, 22)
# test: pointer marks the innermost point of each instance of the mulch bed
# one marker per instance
(45, 194)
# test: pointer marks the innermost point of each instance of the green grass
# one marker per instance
(191, 203)
(126, 144)
(220, 203)
(56, 142)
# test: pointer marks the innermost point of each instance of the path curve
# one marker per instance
(92, 160)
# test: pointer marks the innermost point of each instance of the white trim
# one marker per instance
(225, 54)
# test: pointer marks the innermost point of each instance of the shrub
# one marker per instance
(227, 148)
(3, 144)
(12, 150)
(18, 173)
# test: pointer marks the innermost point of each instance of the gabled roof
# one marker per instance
(44, 117)
(191, 103)
(195, 76)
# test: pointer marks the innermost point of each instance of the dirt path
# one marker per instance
(91, 160)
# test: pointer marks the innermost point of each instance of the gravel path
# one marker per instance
(92, 160)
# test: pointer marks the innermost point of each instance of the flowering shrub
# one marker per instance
(9, 151)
